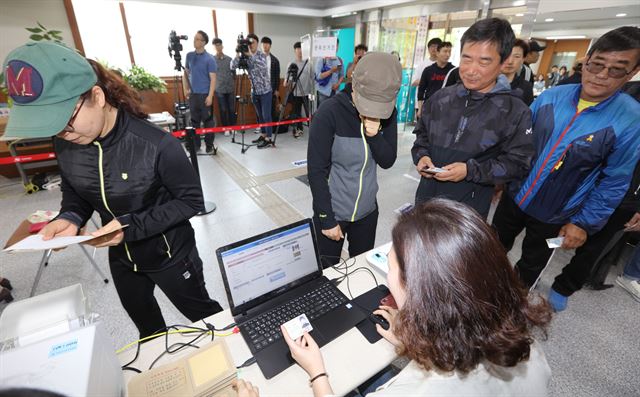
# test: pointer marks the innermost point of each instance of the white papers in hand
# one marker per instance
(36, 243)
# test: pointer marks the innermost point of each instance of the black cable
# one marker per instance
(250, 361)
(131, 369)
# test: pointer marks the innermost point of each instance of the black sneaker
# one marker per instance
(212, 150)
(259, 140)
(265, 143)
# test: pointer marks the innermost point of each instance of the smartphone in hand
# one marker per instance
(433, 170)
(389, 301)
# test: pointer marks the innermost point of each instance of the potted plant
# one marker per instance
(141, 80)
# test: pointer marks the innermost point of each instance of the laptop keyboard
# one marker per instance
(265, 329)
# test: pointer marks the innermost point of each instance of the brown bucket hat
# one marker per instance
(376, 81)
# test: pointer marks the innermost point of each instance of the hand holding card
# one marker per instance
(296, 327)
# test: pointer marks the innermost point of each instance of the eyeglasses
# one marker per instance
(69, 127)
(613, 72)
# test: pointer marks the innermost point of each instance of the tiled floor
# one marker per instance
(592, 347)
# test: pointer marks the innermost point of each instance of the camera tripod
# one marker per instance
(242, 101)
(291, 88)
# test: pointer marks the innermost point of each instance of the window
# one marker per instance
(230, 24)
(103, 38)
(150, 25)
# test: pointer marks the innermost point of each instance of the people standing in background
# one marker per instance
(510, 68)
(273, 66)
(225, 87)
(300, 96)
(329, 73)
(261, 92)
(476, 132)
(562, 73)
(576, 76)
(432, 48)
(538, 86)
(433, 76)
(200, 78)
(553, 77)
(532, 57)
(358, 52)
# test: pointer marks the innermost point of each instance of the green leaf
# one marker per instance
(55, 32)
(47, 37)
(34, 30)
(39, 24)
(36, 37)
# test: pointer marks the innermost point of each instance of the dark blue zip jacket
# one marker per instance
(584, 160)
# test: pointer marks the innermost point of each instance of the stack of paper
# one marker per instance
(208, 371)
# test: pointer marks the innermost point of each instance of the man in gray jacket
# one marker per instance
(475, 134)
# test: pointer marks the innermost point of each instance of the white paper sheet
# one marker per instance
(36, 243)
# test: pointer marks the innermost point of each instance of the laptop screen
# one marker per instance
(263, 264)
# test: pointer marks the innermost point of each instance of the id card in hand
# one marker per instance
(298, 326)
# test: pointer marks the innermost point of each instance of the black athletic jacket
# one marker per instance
(489, 132)
(342, 161)
(141, 175)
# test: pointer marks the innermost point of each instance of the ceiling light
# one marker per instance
(622, 14)
(580, 36)
(549, 20)
(344, 14)
(520, 15)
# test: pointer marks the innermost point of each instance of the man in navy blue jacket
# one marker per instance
(587, 139)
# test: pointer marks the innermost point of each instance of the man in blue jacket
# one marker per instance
(587, 139)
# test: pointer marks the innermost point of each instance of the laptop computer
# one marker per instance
(276, 276)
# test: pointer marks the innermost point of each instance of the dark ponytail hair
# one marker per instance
(117, 92)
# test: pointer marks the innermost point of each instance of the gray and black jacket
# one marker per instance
(490, 132)
(342, 161)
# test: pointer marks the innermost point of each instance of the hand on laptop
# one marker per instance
(306, 352)
(389, 314)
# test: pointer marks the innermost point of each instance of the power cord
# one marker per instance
(343, 268)
(176, 347)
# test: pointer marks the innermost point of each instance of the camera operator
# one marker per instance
(329, 75)
(224, 85)
(200, 76)
(358, 52)
(298, 74)
(273, 66)
(256, 64)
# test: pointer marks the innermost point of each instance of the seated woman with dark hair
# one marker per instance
(464, 318)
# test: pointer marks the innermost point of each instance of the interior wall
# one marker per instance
(284, 31)
(18, 15)
(579, 46)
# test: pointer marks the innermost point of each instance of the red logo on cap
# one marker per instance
(23, 81)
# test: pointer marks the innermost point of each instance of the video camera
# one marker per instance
(292, 73)
(175, 47)
(242, 47)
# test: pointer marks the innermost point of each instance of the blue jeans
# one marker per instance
(226, 108)
(262, 103)
(632, 268)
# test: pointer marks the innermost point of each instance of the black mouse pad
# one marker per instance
(368, 302)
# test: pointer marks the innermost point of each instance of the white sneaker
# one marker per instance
(631, 286)
(227, 133)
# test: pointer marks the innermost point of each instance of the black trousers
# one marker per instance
(201, 114)
(226, 106)
(508, 221)
(183, 283)
(576, 273)
(298, 102)
(361, 235)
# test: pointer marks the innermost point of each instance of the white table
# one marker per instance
(350, 359)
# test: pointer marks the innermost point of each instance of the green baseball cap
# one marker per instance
(44, 80)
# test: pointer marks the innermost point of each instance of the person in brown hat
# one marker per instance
(350, 135)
